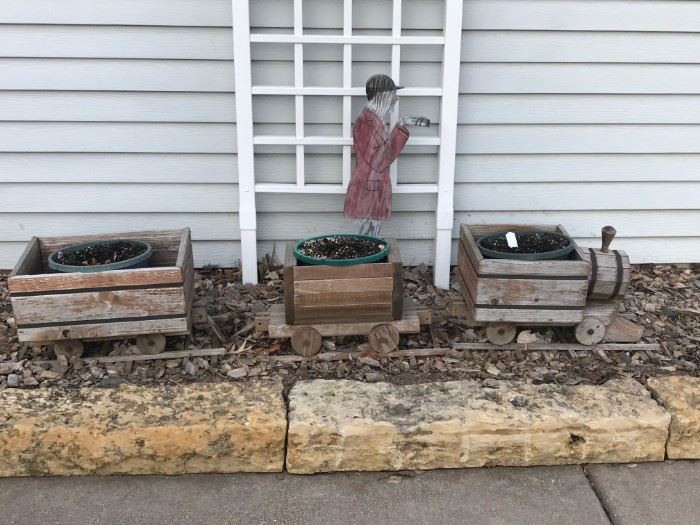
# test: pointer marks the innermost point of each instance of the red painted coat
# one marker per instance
(369, 192)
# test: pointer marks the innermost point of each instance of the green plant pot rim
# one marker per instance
(140, 261)
(342, 262)
(555, 254)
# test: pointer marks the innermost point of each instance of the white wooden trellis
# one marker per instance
(449, 92)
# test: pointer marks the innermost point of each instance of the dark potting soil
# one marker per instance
(535, 242)
(339, 247)
(101, 254)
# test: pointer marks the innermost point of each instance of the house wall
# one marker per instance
(120, 114)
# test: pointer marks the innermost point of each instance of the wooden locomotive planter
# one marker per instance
(583, 291)
(65, 309)
(362, 299)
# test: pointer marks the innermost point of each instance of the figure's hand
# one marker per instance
(422, 122)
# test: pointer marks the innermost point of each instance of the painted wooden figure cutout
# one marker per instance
(368, 197)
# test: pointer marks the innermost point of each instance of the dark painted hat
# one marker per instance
(378, 84)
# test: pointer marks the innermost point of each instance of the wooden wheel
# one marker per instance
(68, 347)
(384, 338)
(151, 344)
(590, 331)
(500, 333)
(306, 341)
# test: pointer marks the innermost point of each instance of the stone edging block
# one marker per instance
(337, 425)
(681, 397)
(221, 427)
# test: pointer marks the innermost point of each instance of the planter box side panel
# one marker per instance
(334, 294)
(99, 313)
(343, 300)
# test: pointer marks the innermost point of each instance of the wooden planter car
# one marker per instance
(363, 299)
(318, 294)
(65, 308)
(504, 293)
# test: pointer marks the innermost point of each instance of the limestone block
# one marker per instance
(219, 427)
(346, 425)
(681, 397)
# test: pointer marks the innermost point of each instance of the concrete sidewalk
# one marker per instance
(650, 493)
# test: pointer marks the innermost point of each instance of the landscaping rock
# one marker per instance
(339, 425)
(215, 427)
(681, 397)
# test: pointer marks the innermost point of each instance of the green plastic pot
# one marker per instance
(560, 254)
(140, 261)
(342, 262)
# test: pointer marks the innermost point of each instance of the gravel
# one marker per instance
(664, 299)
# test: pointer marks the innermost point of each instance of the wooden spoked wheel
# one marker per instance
(151, 344)
(590, 331)
(306, 341)
(500, 333)
(69, 348)
(384, 338)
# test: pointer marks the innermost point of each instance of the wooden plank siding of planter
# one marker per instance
(343, 294)
(521, 292)
(114, 303)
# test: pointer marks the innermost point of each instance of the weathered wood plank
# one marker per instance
(358, 271)
(184, 241)
(187, 272)
(468, 299)
(482, 230)
(397, 276)
(606, 311)
(290, 266)
(174, 326)
(342, 298)
(468, 243)
(52, 282)
(29, 262)
(175, 354)
(562, 347)
(101, 305)
(370, 284)
(623, 331)
(572, 268)
(346, 313)
(468, 273)
(531, 292)
(528, 316)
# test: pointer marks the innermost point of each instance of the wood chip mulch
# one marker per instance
(665, 299)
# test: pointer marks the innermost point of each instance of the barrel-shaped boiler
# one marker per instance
(609, 274)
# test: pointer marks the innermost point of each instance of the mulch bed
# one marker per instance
(664, 299)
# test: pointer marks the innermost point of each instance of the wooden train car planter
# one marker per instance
(65, 309)
(362, 299)
(583, 290)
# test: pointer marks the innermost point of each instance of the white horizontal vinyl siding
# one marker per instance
(115, 114)
(584, 113)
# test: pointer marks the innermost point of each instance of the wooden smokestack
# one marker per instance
(608, 234)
